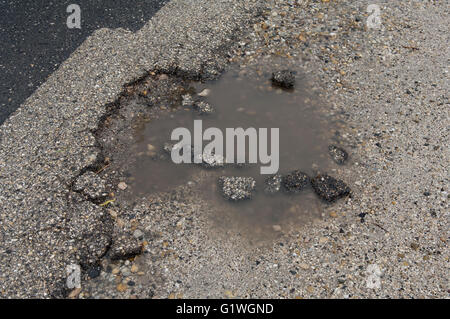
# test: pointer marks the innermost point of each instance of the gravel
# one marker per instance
(203, 108)
(237, 188)
(187, 100)
(272, 184)
(295, 181)
(338, 154)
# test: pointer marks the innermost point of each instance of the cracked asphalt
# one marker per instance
(389, 87)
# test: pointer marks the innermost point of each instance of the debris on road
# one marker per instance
(122, 186)
(295, 181)
(284, 79)
(203, 108)
(237, 188)
(338, 154)
(205, 92)
(272, 184)
(329, 188)
(125, 246)
(187, 100)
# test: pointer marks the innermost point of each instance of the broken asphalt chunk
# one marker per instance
(295, 181)
(203, 108)
(125, 246)
(272, 184)
(237, 188)
(187, 100)
(284, 79)
(328, 188)
(338, 154)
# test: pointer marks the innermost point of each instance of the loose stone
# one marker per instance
(295, 181)
(338, 154)
(237, 188)
(328, 188)
(284, 79)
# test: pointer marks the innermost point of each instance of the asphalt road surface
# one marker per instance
(386, 89)
(35, 38)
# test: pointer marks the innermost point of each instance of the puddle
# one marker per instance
(241, 100)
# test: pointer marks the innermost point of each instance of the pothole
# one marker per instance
(138, 162)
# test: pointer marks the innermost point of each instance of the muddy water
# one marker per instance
(243, 101)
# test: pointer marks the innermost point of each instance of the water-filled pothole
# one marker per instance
(240, 98)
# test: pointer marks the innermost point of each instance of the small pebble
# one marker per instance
(115, 271)
(205, 92)
(138, 234)
(121, 287)
(203, 108)
(276, 228)
(122, 186)
(134, 268)
(304, 266)
(74, 293)
(338, 154)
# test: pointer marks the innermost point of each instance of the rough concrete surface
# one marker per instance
(389, 87)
